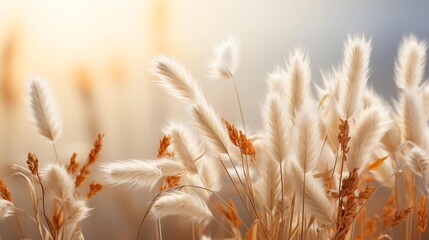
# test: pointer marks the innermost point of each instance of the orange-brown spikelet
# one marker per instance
(4, 191)
(348, 203)
(94, 187)
(72, 167)
(388, 211)
(230, 213)
(239, 139)
(92, 157)
(33, 163)
(400, 216)
(163, 146)
(365, 194)
(170, 181)
(422, 215)
(343, 137)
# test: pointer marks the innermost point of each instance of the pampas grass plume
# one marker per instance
(140, 173)
(57, 181)
(356, 71)
(277, 127)
(175, 79)
(410, 65)
(182, 204)
(6, 209)
(225, 61)
(43, 110)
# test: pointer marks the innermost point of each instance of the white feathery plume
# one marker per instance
(169, 167)
(365, 135)
(75, 211)
(225, 61)
(210, 126)
(277, 127)
(267, 187)
(316, 202)
(6, 209)
(176, 203)
(355, 73)
(298, 81)
(418, 160)
(210, 173)
(277, 82)
(410, 64)
(330, 117)
(424, 93)
(186, 147)
(411, 116)
(175, 79)
(44, 112)
(371, 98)
(57, 181)
(392, 139)
(140, 173)
(306, 138)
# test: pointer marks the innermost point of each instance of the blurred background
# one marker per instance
(95, 55)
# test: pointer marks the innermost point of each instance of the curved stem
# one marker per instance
(55, 150)
(239, 105)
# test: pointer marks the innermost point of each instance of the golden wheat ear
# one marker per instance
(43, 109)
(225, 60)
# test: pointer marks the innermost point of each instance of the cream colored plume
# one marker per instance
(277, 82)
(176, 203)
(306, 138)
(210, 127)
(210, 173)
(175, 79)
(277, 127)
(225, 61)
(370, 127)
(424, 93)
(410, 64)
(298, 81)
(355, 75)
(43, 109)
(186, 147)
(140, 173)
(267, 186)
(411, 117)
(316, 202)
(75, 211)
(6, 209)
(57, 182)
